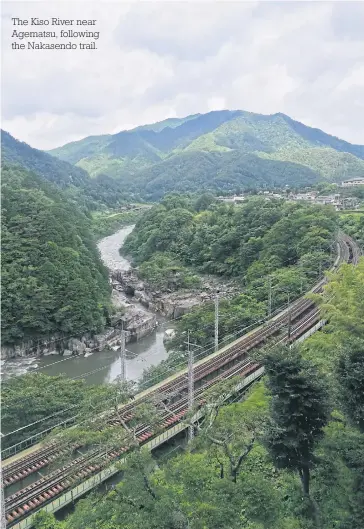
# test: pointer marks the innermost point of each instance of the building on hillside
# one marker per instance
(314, 198)
(271, 194)
(232, 200)
(359, 181)
(334, 200)
(302, 196)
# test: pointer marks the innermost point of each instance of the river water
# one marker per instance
(103, 366)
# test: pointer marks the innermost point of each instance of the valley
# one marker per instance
(126, 232)
(100, 366)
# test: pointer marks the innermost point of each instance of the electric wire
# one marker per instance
(175, 369)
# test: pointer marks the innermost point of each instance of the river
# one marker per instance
(103, 366)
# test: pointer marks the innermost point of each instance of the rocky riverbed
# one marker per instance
(136, 306)
(97, 358)
(169, 304)
(133, 317)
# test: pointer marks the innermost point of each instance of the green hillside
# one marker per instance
(53, 280)
(217, 150)
(61, 173)
(330, 164)
(208, 171)
(74, 181)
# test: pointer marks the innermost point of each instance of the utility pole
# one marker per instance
(289, 319)
(191, 384)
(269, 296)
(2, 498)
(122, 357)
(217, 321)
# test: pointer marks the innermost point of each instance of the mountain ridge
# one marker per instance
(73, 180)
(236, 149)
(218, 151)
(231, 114)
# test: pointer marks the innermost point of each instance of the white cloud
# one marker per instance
(157, 60)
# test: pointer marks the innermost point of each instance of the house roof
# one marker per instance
(355, 179)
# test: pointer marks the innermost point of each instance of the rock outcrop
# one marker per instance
(169, 304)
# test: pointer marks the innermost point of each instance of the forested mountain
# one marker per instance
(53, 280)
(220, 150)
(61, 173)
(75, 181)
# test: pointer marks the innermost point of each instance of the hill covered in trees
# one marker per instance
(74, 181)
(261, 246)
(53, 281)
(221, 150)
(249, 241)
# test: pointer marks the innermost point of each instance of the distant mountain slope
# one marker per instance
(75, 181)
(330, 164)
(195, 171)
(170, 122)
(139, 147)
(320, 138)
(49, 167)
(221, 149)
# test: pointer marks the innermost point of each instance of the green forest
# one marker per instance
(289, 453)
(353, 225)
(53, 281)
(262, 244)
(247, 241)
(218, 151)
(254, 464)
(85, 193)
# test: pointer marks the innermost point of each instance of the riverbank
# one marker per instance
(104, 363)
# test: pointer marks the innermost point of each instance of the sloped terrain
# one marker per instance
(74, 181)
(219, 150)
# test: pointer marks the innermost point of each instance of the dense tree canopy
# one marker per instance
(228, 240)
(221, 150)
(53, 281)
(74, 181)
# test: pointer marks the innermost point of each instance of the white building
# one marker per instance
(353, 182)
(233, 200)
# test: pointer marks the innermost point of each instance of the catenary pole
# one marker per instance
(122, 356)
(216, 321)
(190, 385)
(269, 295)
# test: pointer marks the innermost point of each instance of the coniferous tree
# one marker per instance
(298, 410)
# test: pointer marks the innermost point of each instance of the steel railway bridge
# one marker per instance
(63, 485)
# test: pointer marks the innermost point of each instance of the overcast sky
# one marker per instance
(165, 59)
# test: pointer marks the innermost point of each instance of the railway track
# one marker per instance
(232, 359)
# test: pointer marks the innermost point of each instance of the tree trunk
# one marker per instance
(305, 479)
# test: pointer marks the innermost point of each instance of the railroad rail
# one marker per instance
(230, 361)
